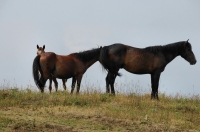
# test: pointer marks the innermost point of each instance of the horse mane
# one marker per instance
(177, 46)
(154, 49)
(88, 54)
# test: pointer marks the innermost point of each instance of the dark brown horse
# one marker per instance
(39, 52)
(150, 60)
(74, 65)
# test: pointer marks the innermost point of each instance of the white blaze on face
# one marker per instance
(39, 52)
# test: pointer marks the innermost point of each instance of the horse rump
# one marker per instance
(107, 63)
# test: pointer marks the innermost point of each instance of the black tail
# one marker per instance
(37, 74)
(106, 63)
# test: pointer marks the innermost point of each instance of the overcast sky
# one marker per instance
(68, 26)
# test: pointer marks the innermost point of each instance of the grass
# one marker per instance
(26, 110)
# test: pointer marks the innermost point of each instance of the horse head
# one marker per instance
(187, 53)
(40, 50)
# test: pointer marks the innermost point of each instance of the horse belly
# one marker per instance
(145, 67)
(138, 70)
(63, 71)
(62, 75)
(138, 67)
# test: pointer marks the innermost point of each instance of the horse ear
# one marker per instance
(186, 42)
(43, 47)
(37, 47)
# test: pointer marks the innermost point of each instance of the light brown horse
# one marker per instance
(39, 52)
(74, 65)
(150, 60)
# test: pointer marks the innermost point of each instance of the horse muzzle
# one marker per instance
(193, 62)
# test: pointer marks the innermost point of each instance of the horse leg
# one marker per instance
(155, 83)
(79, 78)
(107, 83)
(152, 86)
(73, 84)
(112, 81)
(64, 81)
(55, 83)
(42, 83)
(42, 87)
(50, 82)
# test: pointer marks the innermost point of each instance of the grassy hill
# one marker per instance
(26, 110)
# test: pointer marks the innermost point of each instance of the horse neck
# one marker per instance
(89, 57)
(91, 62)
(170, 55)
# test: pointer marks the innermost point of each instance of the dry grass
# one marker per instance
(26, 110)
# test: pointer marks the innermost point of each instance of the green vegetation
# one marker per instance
(26, 110)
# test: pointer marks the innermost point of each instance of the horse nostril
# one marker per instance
(194, 62)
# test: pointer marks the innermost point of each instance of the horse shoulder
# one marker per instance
(159, 62)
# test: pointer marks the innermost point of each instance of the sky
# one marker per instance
(67, 26)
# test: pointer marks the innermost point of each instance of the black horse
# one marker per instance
(150, 60)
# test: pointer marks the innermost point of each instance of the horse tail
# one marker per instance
(106, 62)
(37, 73)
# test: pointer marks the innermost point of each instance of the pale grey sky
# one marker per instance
(67, 26)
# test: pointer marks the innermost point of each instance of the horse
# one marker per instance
(74, 65)
(150, 60)
(39, 52)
